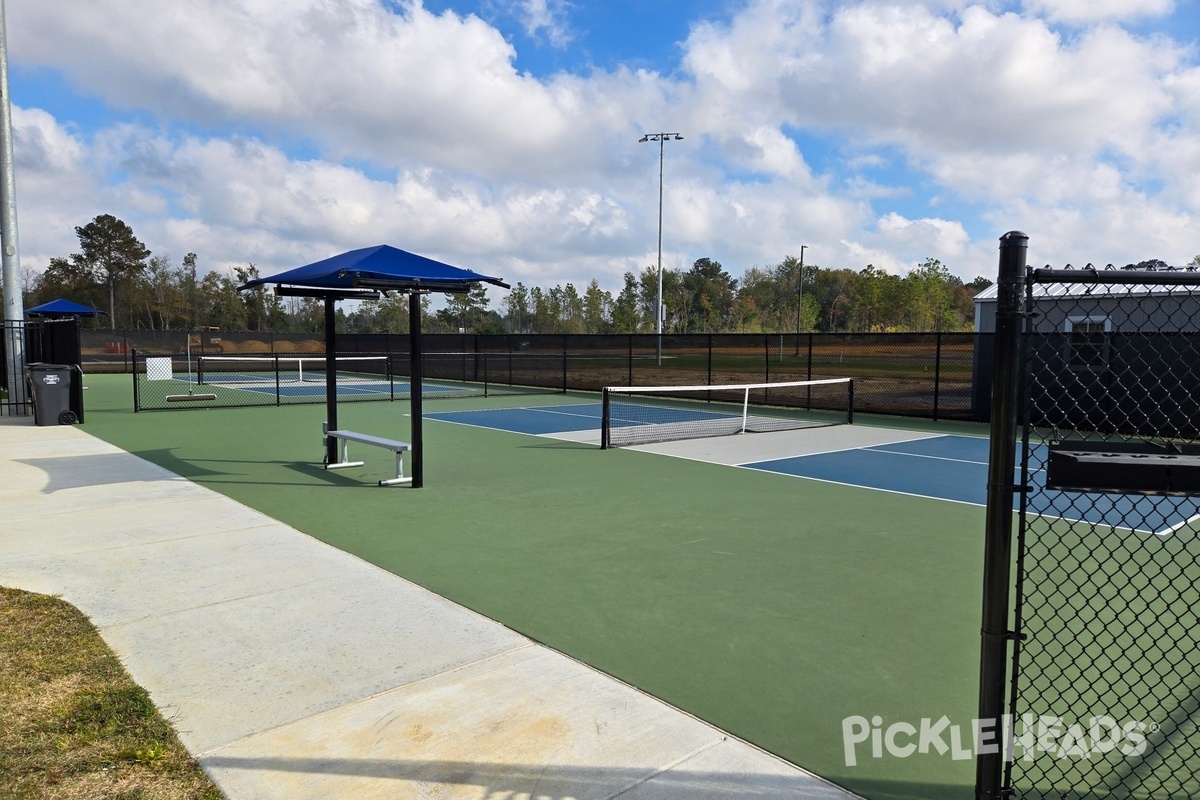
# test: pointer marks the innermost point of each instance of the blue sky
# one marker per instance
(503, 134)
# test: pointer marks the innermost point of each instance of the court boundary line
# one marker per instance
(802, 455)
(746, 465)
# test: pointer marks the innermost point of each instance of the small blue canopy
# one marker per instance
(383, 267)
(64, 308)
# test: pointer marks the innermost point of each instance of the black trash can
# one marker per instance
(50, 390)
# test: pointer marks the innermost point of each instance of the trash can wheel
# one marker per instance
(67, 418)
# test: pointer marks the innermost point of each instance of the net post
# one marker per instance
(278, 391)
(745, 408)
(604, 419)
(850, 401)
(994, 632)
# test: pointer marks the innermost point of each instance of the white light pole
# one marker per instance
(658, 308)
(800, 291)
(14, 310)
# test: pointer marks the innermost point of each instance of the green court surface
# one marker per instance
(771, 606)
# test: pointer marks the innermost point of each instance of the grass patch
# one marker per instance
(73, 725)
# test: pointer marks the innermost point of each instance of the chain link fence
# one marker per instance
(929, 375)
(1104, 672)
(165, 381)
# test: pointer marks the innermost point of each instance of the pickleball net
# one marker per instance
(634, 415)
(239, 370)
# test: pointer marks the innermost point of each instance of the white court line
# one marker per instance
(1173, 528)
(519, 408)
(919, 438)
(554, 410)
(877, 449)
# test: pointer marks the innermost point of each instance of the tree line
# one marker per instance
(114, 271)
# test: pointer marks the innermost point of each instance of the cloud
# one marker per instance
(545, 16)
(872, 132)
(1091, 11)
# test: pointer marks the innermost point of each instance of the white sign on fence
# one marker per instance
(158, 368)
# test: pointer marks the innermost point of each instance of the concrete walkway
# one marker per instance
(294, 670)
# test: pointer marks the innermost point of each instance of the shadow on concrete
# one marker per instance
(98, 469)
(553, 782)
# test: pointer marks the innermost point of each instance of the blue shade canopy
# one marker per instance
(64, 308)
(383, 267)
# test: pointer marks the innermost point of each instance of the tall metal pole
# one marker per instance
(331, 405)
(415, 388)
(800, 296)
(14, 306)
(658, 306)
(997, 547)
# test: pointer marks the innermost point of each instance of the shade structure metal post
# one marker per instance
(414, 390)
(331, 420)
(137, 397)
(605, 417)
(997, 566)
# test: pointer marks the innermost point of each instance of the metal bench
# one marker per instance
(397, 447)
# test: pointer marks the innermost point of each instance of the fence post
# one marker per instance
(937, 375)
(137, 405)
(710, 346)
(630, 382)
(997, 564)
(810, 341)
(766, 358)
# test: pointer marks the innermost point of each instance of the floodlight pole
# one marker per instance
(658, 306)
(14, 304)
(800, 296)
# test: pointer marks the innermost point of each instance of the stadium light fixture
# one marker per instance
(658, 308)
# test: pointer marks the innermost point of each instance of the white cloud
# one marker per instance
(548, 16)
(284, 132)
(1091, 11)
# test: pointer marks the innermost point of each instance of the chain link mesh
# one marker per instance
(1106, 673)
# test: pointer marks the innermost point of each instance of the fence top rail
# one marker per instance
(1117, 277)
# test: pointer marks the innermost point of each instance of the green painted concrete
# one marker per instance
(770, 606)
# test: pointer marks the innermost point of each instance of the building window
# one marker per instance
(1087, 343)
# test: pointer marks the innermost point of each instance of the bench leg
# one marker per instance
(399, 479)
(345, 462)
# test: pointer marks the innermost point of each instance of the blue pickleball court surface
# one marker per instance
(955, 468)
(939, 467)
(534, 420)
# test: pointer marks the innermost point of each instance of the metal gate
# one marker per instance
(1094, 668)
